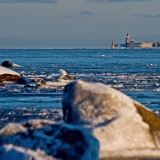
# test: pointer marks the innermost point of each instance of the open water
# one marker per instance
(134, 72)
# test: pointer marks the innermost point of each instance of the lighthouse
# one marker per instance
(112, 45)
(127, 41)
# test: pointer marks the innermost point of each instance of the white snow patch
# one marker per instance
(100, 88)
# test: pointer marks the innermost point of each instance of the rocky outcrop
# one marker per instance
(47, 139)
(61, 79)
(58, 80)
(117, 121)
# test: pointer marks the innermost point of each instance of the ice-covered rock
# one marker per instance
(8, 75)
(117, 121)
(36, 82)
(61, 79)
(61, 75)
(58, 80)
(49, 139)
(64, 75)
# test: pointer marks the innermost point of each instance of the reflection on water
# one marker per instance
(23, 114)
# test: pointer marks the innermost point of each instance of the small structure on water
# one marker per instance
(112, 46)
(131, 44)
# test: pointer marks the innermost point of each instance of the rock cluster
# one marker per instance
(8, 75)
(117, 121)
(99, 123)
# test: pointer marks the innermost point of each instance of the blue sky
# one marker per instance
(77, 23)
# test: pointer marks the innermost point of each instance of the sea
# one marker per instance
(135, 72)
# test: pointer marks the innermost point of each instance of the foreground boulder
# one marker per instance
(124, 127)
(43, 139)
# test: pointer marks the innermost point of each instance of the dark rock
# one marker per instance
(9, 64)
(6, 64)
(21, 80)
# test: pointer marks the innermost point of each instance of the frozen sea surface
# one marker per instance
(134, 72)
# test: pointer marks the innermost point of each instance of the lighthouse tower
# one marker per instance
(112, 45)
(127, 40)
